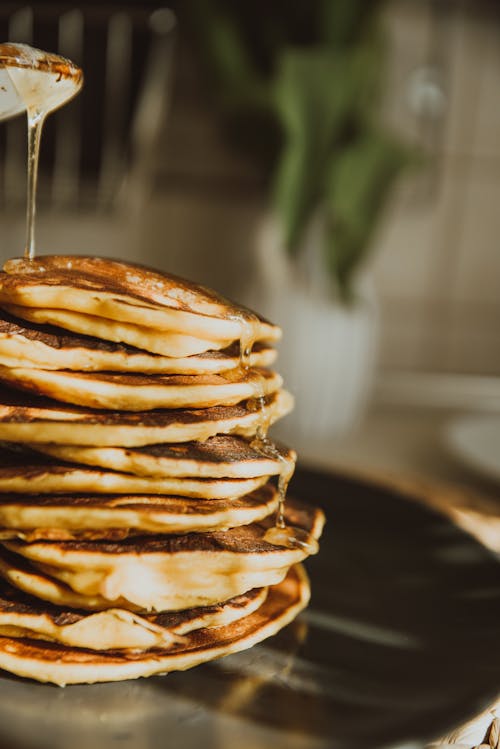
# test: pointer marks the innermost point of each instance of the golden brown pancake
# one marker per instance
(59, 479)
(139, 392)
(27, 472)
(50, 662)
(162, 342)
(25, 577)
(177, 571)
(22, 615)
(219, 456)
(64, 516)
(41, 420)
(127, 292)
(25, 344)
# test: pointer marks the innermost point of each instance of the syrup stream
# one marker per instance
(280, 534)
(35, 125)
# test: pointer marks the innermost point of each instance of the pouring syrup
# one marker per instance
(36, 82)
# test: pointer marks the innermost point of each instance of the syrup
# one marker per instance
(280, 534)
(249, 323)
(36, 82)
(247, 340)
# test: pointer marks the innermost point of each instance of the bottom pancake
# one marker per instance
(50, 662)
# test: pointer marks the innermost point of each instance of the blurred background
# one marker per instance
(334, 163)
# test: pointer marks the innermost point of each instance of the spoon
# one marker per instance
(35, 82)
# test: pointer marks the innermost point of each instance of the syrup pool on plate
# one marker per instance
(34, 82)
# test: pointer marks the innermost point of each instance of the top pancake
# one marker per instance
(128, 293)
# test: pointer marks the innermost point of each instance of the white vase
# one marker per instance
(328, 352)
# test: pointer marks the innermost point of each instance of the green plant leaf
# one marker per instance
(358, 181)
(368, 68)
(313, 96)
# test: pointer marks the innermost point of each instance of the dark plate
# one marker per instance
(400, 644)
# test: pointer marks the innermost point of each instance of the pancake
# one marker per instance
(219, 456)
(177, 571)
(138, 392)
(41, 420)
(57, 479)
(50, 662)
(25, 344)
(128, 292)
(30, 473)
(22, 615)
(72, 514)
(165, 342)
(25, 577)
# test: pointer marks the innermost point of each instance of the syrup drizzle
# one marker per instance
(39, 82)
(280, 534)
(35, 125)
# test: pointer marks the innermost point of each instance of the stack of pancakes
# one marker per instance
(139, 493)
